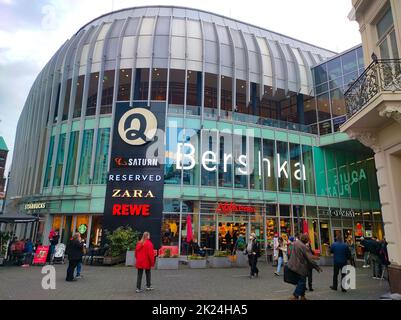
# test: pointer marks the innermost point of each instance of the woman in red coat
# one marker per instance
(145, 260)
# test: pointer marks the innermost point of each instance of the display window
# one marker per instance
(325, 236)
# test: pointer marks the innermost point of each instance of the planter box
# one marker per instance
(109, 261)
(241, 260)
(220, 262)
(167, 263)
(197, 264)
(130, 259)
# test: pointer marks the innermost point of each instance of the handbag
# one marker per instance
(290, 276)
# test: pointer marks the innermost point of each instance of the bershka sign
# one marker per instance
(230, 208)
(134, 194)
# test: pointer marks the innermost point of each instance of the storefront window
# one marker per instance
(194, 91)
(311, 212)
(107, 92)
(285, 227)
(208, 233)
(101, 156)
(124, 85)
(141, 84)
(92, 94)
(96, 231)
(176, 91)
(268, 161)
(313, 232)
(226, 96)
(82, 225)
(191, 176)
(271, 229)
(225, 167)
(307, 159)
(67, 100)
(284, 175)
(172, 175)
(255, 174)
(170, 229)
(79, 97)
(56, 223)
(159, 84)
(86, 157)
(59, 161)
(325, 236)
(209, 144)
(210, 98)
(67, 230)
(297, 175)
(71, 159)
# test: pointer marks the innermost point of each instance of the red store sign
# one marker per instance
(227, 208)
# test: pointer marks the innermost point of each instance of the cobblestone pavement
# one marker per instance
(118, 282)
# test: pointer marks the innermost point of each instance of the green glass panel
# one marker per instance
(307, 158)
(102, 156)
(320, 171)
(49, 162)
(86, 157)
(59, 161)
(72, 158)
(332, 178)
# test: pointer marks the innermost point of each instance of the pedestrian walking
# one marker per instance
(366, 255)
(74, 252)
(282, 255)
(351, 247)
(79, 265)
(299, 263)
(253, 251)
(341, 254)
(383, 255)
(375, 247)
(145, 260)
(310, 268)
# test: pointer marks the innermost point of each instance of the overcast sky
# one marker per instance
(32, 30)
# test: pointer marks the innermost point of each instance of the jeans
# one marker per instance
(70, 270)
(139, 278)
(301, 287)
(309, 276)
(337, 269)
(279, 264)
(366, 258)
(376, 264)
(253, 260)
(79, 267)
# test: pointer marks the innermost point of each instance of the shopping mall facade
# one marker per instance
(248, 134)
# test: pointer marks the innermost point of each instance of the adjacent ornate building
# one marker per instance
(374, 112)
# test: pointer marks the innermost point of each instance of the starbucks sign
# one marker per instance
(82, 228)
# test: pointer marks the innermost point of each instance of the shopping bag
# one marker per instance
(290, 276)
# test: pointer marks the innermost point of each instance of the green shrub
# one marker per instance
(4, 237)
(121, 240)
(196, 257)
(221, 254)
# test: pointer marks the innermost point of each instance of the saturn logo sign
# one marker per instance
(137, 126)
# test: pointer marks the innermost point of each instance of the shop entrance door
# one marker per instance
(229, 233)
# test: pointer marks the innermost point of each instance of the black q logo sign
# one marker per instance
(137, 126)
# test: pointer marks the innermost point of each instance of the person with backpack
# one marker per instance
(253, 251)
(145, 260)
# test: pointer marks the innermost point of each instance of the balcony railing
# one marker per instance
(379, 76)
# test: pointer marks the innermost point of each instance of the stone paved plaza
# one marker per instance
(118, 282)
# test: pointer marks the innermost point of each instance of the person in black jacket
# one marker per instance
(253, 251)
(75, 253)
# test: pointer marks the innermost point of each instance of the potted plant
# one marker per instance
(120, 240)
(220, 259)
(167, 261)
(196, 262)
(4, 238)
(130, 259)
